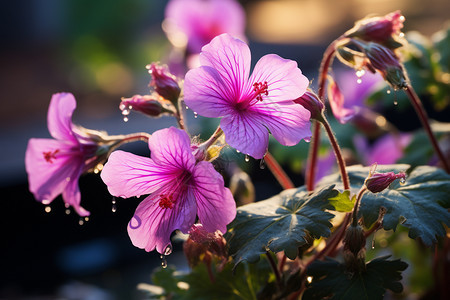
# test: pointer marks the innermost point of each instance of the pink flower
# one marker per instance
(250, 106)
(377, 153)
(179, 186)
(201, 20)
(54, 165)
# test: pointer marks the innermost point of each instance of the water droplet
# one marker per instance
(168, 250)
(195, 115)
(402, 181)
(247, 159)
(114, 207)
(388, 92)
(237, 151)
(67, 179)
(125, 112)
(81, 221)
(86, 219)
(163, 261)
(187, 107)
(360, 73)
(66, 205)
(48, 209)
(67, 211)
(373, 243)
(125, 119)
(262, 164)
(359, 81)
(401, 34)
(395, 102)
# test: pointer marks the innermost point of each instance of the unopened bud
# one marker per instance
(149, 105)
(203, 245)
(242, 188)
(164, 83)
(311, 102)
(385, 30)
(354, 248)
(386, 62)
(380, 181)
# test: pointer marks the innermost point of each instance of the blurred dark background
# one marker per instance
(98, 51)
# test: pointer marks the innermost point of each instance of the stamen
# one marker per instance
(166, 201)
(260, 89)
(49, 155)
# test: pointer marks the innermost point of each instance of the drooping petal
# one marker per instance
(216, 207)
(152, 225)
(59, 116)
(128, 175)
(231, 58)
(336, 98)
(206, 93)
(288, 121)
(72, 196)
(171, 147)
(284, 79)
(49, 163)
(245, 132)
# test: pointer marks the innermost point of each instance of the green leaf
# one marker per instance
(331, 279)
(280, 223)
(342, 202)
(420, 204)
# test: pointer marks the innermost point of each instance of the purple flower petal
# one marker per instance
(47, 177)
(288, 121)
(206, 94)
(59, 117)
(171, 147)
(128, 175)
(72, 195)
(246, 133)
(215, 204)
(152, 225)
(285, 80)
(231, 58)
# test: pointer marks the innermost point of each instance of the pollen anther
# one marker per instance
(166, 201)
(49, 155)
(260, 89)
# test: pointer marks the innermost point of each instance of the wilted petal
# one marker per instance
(151, 225)
(231, 58)
(215, 204)
(128, 175)
(288, 121)
(284, 79)
(206, 94)
(171, 147)
(59, 116)
(245, 133)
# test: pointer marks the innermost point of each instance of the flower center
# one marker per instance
(166, 201)
(49, 155)
(260, 89)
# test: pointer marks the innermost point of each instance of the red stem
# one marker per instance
(273, 265)
(417, 104)
(278, 172)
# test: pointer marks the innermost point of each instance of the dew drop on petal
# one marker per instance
(48, 209)
(237, 151)
(247, 158)
(86, 219)
(114, 207)
(67, 211)
(81, 221)
(168, 250)
(66, 205)
(122, 106)
(163, 261)
(125, 119)
(187, 107)
(262, 164)
(195, 115)
(359, 81)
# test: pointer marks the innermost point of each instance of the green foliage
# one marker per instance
(281, 223)
(420, 204)
(244, 283)
(342, 202)
(331, 279)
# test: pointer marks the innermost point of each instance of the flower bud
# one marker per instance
(164, 83)
(203, 245)
(385, 30)
(386, 62)
(311, 102)
(242, 188)
(354, 248)
(380, 181)
(149, 105)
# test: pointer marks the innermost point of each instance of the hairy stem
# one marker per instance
(417, 104)
(273, 265)
(278, 172)
(338, 154)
